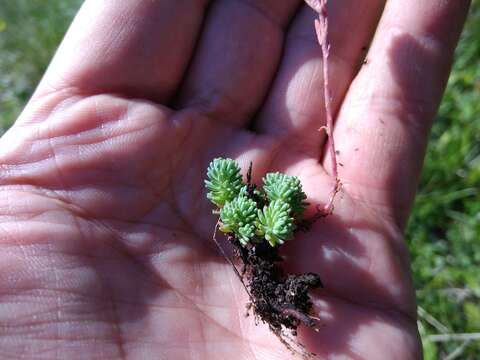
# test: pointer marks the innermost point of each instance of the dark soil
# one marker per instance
(278, 299)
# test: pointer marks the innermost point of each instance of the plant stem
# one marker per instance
(321, 29)
(453, 337)
(220, 248)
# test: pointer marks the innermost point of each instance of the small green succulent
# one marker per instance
(275, 223)
(279, 186)
(238, 216)
(224, 181)
(240, 208)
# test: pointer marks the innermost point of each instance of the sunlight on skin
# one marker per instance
(105, 233)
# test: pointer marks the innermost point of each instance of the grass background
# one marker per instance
(444, 231)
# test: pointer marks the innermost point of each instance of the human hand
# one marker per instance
(105, 246)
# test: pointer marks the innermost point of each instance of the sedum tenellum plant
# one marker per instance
(269, 213)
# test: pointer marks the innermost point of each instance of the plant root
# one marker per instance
(281, 301)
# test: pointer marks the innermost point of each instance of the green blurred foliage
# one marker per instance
(444, 231)
(30, 31)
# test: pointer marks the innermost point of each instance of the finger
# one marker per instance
(383, 126)
(295, 108)
(236, 58)
(139, 48)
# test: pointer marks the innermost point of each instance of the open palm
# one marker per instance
(105, 242)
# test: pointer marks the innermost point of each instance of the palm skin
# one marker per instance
(106, 247)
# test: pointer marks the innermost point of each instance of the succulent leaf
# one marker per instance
(275, 223)
(223, 180)
(279, 186)
(238, 216)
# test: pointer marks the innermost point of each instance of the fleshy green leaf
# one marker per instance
(275, 223)
(279, 186)
(238, 216)
(223, 180)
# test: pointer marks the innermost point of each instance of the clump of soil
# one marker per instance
(278, 299)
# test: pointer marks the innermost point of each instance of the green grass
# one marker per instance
(444, 231)
(30, 31)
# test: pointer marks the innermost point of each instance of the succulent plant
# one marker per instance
(275, 223)
(223, 180)
(279, 186)
(238, 216)
(240, 208)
